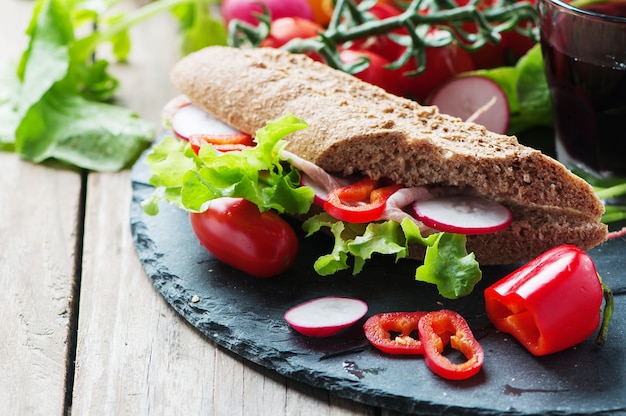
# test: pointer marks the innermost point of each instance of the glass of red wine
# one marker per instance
(584, 48)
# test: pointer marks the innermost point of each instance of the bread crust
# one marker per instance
(355, 127)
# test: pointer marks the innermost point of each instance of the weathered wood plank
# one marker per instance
(39, 212)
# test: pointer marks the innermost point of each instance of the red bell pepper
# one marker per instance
(395, 332)
(552, 303)
(222, 142)
(436, 330)
(359, 202)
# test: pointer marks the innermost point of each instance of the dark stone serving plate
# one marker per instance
(245, 315)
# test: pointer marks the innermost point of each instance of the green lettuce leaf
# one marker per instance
(257, 174)
(446, 264)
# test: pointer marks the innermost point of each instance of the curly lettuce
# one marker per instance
(446, 263)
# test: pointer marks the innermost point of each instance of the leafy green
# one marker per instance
(446, 264)
(199, 28)
(55, 101)
(257, 174)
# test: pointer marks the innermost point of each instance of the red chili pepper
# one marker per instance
(221, 142)
(359, 202)
(438, 328)
(552, 303)
(395, 332)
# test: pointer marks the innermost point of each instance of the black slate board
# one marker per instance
(245, 315)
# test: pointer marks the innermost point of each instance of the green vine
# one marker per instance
(351, 21)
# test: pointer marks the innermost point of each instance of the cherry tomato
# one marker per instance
(287, 28)
(442, 63)
(261, 244)
(512, 46)
(375, 73)
(244, 9)
(322, 11)
(382, 45)
(516, 45)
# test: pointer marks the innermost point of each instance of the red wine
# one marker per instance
(585, 64)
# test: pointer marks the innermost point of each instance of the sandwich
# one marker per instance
(357, 130)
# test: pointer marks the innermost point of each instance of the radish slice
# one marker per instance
(465, 97)
(463, 214)
(323, 317)
(189, 120)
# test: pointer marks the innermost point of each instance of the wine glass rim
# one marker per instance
(589, 13)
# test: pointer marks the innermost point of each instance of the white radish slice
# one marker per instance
(323, 317)
(189, 120)
(463, 214)
(473, 97)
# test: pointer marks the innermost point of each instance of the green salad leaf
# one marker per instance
(55, 101)
(257, 174)
(446, 263)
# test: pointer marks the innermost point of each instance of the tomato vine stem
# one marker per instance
(425, 23)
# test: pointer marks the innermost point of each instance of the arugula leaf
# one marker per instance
(198, 27)
(57, 104)
(83, 133)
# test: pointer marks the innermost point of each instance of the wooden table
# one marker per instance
(83, 330)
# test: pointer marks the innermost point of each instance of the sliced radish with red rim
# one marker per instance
(189, 120)
(476, 98)
(323, 317)
(463, 214)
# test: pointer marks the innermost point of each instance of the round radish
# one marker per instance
(463, 214)
(245, 9)
(189, 120)
(323, 317)
(474, 98)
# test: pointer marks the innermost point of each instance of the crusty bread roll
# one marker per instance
(355, 127)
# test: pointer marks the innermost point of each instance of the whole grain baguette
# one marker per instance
(355, 127)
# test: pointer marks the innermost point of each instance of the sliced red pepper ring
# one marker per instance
(395, 332)
(221, 142)
(438, 328)
(551, 303)
(359, 202)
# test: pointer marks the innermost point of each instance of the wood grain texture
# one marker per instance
(38, 224)
(39, 214)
